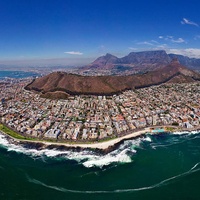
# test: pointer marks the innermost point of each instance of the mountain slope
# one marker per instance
(142, 60)
(103, 62)
(107, 85)
(137, 62)
(192, 63)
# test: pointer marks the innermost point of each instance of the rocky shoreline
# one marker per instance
(98, 147)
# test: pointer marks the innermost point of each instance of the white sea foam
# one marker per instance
(122, 157)
(123, 154)
(160, 184)
(180, 133)
(172, 142)
(186, 132)
(148, 139)
(88, 158)
(195, 166)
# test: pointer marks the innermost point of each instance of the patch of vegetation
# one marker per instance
(170, 129)
(16, 135)
(175, 124)
(10, 132)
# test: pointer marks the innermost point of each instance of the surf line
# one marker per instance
(160, 184)
(103, 146)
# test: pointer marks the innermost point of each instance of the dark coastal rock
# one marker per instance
(32, 145)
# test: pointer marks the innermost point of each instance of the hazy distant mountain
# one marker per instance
(147, 60)
(146, 57)
(139, 62)
(192, 63)
(106, 85)
(103, 62)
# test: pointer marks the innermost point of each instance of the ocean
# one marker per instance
(163, 166)
(16, 74)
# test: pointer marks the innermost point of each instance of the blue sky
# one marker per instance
(81, 30)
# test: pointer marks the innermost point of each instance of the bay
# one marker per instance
(16, 74)
(164, 166)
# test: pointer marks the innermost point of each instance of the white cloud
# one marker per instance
(149, 43)
(154, 41)
(190, 52)
(187, 21)
(172, 39)
(132, 48)
(145, 43)
(162, 46)
(169, 37)
(179, 40)
(73, 52)
(160, 37)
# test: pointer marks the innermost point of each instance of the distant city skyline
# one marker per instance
(76, 32)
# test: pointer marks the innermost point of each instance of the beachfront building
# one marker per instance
(98, 117)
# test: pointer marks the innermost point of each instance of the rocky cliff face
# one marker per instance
(146, 57)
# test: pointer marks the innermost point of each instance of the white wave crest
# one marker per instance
(186, 132)
(87, 158)
(148, 139)
(123, 154)
(122, 157)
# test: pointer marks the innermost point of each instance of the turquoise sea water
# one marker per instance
(164, 166)
(16, 74)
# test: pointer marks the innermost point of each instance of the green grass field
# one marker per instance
(10, 132)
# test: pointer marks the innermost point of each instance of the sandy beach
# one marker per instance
(106, 144)
(98, 145)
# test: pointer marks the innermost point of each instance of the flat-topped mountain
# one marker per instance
(153, 57)
(107, 85)
(136, 62)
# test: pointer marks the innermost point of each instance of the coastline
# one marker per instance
(21, 127)
(103, 147)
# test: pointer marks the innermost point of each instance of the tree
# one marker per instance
(175, 124)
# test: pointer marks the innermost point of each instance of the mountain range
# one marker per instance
(138, 62)
(62, 84)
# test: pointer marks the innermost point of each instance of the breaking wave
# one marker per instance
(88, 158)
(185, 132)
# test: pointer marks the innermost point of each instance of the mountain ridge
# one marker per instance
(73, 84)
(136, 62)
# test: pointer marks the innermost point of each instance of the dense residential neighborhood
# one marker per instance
(98, 117)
